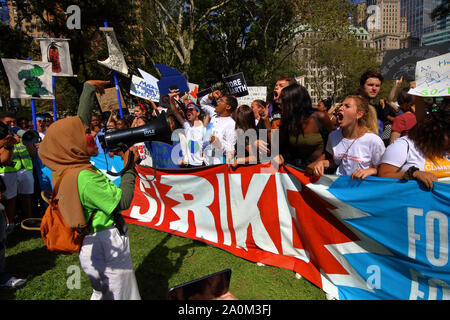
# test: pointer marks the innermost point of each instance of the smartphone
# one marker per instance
(205, 288)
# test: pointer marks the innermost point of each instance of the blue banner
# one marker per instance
(409, 227)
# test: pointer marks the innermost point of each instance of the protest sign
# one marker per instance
(115, 60)
(352, 238)
(254, 93)
(57, 52)
(153, 82)
(141, 88)
(171, 78)
(433, 77)
(108, 101)
(236, 84)
(29, 79)
(402, 62)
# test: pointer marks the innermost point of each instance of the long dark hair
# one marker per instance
(296, 107)
(429, 134)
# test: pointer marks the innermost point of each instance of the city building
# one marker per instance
(388, 28)
(418, 17)
(440, 35)
(4, 12)
(32, 26)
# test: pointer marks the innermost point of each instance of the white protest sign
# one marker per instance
(433, 77)
(142, 89)
(29, 79)
(254, 93)
(57, 52)
(151, 82)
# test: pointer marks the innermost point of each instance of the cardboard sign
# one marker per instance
(433, 77)
(254, 93)
(108, 101)
(236, 85)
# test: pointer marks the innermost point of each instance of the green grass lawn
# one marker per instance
(160, 261)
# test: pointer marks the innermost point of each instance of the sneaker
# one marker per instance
(259, 264)
(298, 276)
(13, 283)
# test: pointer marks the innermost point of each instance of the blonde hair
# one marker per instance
(369, 119)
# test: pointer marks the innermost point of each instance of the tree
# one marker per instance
(179, 21)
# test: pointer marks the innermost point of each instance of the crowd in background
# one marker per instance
(360, 136)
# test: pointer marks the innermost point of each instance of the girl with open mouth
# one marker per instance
(352, 149)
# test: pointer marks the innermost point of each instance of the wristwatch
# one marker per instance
(409, 174)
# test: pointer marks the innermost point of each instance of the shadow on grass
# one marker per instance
(154, 272)
(27, 265)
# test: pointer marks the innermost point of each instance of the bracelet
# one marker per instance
(409, 174)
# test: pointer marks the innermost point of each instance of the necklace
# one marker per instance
(346, 152)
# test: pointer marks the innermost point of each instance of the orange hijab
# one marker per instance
(64, 147)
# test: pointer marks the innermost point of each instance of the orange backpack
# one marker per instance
(57, 235)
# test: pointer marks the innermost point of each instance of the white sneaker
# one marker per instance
(259, 264)
(298, 276)
(13, 283)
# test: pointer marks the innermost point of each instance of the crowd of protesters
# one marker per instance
(363, 135)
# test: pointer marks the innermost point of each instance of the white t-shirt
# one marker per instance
(403, 153)
(223, 128)
(194, 137)
(349, 155)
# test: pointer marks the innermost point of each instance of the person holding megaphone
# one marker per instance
(88, 199)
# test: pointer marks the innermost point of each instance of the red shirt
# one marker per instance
(403, 123)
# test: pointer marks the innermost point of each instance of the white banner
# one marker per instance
(433, 77)
(57, 52)
(29, 79)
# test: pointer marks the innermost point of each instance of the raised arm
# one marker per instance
(87, 99)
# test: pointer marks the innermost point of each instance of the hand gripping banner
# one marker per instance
(372, 239)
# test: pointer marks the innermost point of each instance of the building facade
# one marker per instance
(4, 12)
(418, 17)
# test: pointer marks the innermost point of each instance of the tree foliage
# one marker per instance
(204, 39)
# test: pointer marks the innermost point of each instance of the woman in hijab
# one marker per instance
(85, 194)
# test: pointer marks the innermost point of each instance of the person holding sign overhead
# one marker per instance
(223, 136)
(193, 128)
